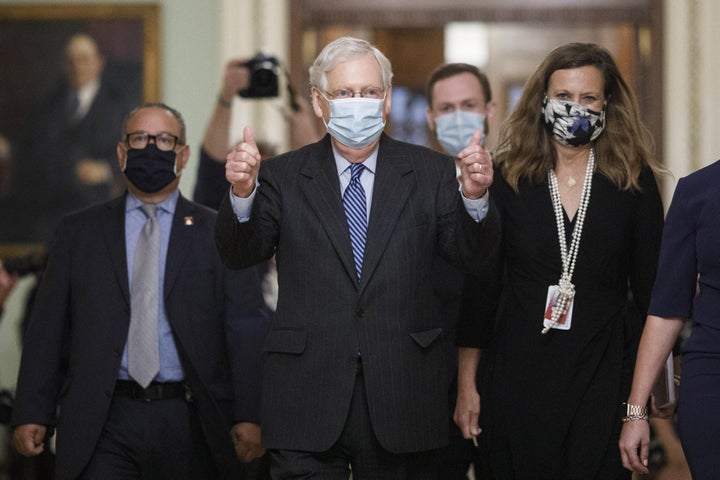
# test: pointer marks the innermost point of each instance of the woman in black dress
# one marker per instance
(582, 220)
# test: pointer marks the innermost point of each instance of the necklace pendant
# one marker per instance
(571, 182)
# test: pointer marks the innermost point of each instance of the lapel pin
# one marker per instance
(188, 221)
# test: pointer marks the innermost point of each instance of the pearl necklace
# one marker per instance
(566, 287)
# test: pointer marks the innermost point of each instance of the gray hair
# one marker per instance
(342, 50)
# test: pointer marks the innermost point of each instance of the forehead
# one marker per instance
(153, 120)
(458, 88)
(362, 71)
(581, 79)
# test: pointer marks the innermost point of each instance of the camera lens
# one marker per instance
(263, 77)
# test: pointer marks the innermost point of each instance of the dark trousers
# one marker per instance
(151, 440)
(357, 450)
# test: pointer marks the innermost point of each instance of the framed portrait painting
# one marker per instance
(69, 74)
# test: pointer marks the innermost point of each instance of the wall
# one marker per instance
(691, 92)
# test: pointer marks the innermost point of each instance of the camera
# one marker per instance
(263, 77)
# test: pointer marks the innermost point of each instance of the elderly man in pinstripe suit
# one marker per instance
(353, 373)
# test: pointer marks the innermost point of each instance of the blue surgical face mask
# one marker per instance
(356, 122)
(454, 130)
(572, 124)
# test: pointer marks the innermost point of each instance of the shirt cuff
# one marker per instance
(242, 206)
(478, 208)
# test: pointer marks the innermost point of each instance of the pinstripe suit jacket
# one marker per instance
(325, 316)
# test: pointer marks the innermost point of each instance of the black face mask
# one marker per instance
(150, 169)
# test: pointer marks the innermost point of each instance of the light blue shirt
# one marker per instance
(477, 209)
(170, 367)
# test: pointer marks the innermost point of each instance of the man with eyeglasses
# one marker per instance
(140, 349)
(353, 377)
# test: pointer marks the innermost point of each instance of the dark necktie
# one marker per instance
(355, 208)
(72, 106)
(143, 351)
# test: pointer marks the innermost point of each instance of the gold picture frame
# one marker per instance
(147, 14)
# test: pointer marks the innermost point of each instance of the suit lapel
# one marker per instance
(182, 237)
(321, 187)
(390, 193)
(113, 223)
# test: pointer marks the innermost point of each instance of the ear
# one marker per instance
(181, 158)
(430, 119)
(317, 103)
(121, 150)
(388, 101)
(490, 110)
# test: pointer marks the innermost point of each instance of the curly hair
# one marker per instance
(526, 147)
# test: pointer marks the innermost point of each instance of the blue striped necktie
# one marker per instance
(355, 208)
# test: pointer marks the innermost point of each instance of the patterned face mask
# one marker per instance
(571, 123)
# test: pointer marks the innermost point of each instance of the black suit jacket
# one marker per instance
(55, 147)
(79, 326)
(325, 316)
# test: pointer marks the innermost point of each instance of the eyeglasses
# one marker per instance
(375, 93)
(163, 141)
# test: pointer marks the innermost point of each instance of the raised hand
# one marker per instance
(476, 169)
(243, 163)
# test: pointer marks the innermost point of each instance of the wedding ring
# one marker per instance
(481, 167)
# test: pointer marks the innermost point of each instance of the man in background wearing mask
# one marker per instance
(354, 366)
(134, 331)
(459, 107)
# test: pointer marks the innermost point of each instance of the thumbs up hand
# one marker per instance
(243, 164)
(476, 168)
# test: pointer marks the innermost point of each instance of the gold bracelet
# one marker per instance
(635, 410)
(223, 103)
(634, 413)
(634, 418)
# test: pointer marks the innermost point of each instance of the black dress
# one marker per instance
(553, 405)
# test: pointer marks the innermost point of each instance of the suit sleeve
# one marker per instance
(244, 244)
(41, 368)
(247, 324)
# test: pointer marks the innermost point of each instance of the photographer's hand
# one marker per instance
(28, 439)
(303, 123)
(243, 163)
(236, 78)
